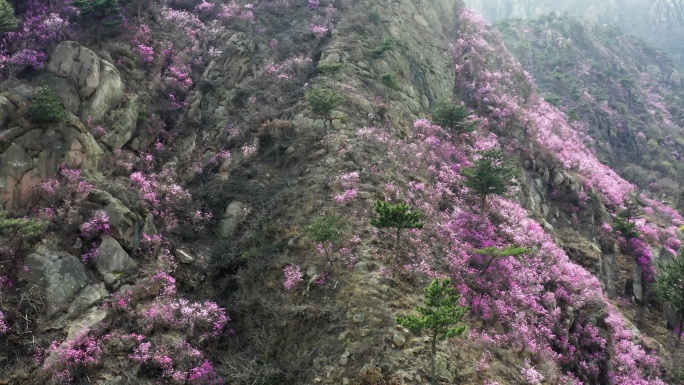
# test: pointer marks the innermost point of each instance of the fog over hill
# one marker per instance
(660, 22)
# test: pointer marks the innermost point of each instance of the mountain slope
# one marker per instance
(625, 94)
(189, 197)
(658, 22)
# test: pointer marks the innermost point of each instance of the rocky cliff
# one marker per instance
(170, 233)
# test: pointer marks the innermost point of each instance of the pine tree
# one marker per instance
(17, 231)
(7, 20)
(669, 287)
(490, 174)
(452, 116)
(397, 216)
(322, 102)
(624, 225)
(497, 253)
(325, 231)
(441, 316)
(107, 13)
(46, 107)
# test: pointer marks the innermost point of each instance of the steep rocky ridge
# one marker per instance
(241, 144)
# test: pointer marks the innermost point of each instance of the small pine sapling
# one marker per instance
(325, 231)
(390, 80)
(624, 225)
(397, 216)
(17, 231)
(496, 253)
(328, 67)
(322, 102)
(452, 116)
(441, 315)
(387, 45)
(45, 107)
(7, 20)
(669, 287)
(490, 174)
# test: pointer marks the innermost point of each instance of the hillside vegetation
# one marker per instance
(217, 192)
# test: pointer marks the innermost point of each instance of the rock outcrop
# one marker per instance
(37, 154)
(59, 275)
(87, 85)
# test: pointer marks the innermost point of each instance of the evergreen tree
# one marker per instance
(441, 316)
(7, 20)
(624, 225)
(495, 253)
(490, 174)
(452, 116)
(397, 216)
(669, 287)
(45, 107)
(325, 230)
(322, 102)
(106, 13)
(18, 231)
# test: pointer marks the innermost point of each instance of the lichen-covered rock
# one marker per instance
(125, 226)
(231, 219)
(59, 275)
(112, 258)
(87, 85)
(123, 129)
(38, 154)
(86, 298)
(7, 110)
(78, 64)
(107, 95)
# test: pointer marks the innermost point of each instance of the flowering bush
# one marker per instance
(65, 360)
(3, 325)
(293, 275)
(195, 318)
(181, 364)
(97, 225)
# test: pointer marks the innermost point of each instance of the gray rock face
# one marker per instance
(231, 219)
(122, 221)
(7, 110)
(112, 258)
(124, 128)
(86, 298)
(86, 84)
(37, 154)
(79, 64)
(107, 95)
(60, 276)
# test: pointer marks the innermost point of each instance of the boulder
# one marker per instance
(86, 298)
(231, 219)
(123, 129)
(184, 257)
(7, 111)
(77, 72)
(122, 221)
(92, 317)
(107, 95)
(37, 154)
(59, 275)
(79, 65)
(112, 258)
